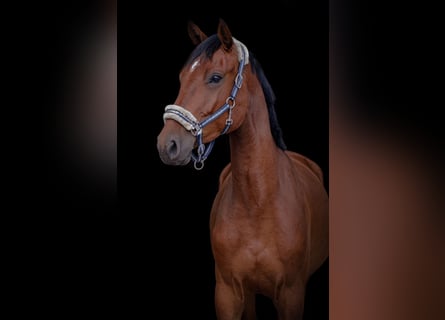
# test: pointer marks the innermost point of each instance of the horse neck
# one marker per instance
(254, 154)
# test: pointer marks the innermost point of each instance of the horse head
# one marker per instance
(205, 105)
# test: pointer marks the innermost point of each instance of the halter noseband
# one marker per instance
(189, 121)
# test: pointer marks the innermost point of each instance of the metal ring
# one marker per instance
(196, 130)
(230, 98)
(200, 166)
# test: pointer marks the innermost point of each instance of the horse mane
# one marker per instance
(209, 46)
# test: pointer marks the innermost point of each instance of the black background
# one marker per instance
(145, 249)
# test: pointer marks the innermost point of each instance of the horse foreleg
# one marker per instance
(290, 302)
(228, 304)
(249, 307)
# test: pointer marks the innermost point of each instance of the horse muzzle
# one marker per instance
(175, 144)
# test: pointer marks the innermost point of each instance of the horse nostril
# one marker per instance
(172, 149)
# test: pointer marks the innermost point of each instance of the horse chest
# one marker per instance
(257, 261)
(253, 247)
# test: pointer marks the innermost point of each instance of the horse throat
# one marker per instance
(254, 155)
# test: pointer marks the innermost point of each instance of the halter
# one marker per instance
(190, 123)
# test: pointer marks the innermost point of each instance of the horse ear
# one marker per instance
(195, 33)
(224, 35)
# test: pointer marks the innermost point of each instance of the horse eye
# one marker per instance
(215, 78)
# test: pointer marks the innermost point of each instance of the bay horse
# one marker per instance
(269, 219)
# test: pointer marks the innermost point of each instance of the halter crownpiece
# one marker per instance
(189, 121)
(243, 53)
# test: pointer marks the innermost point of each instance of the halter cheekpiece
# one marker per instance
(190, 123)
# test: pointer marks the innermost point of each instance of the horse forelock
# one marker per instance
(209, 46)
(206, 49)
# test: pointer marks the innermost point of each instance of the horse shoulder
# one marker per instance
(310, 164)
